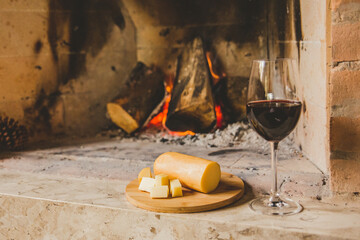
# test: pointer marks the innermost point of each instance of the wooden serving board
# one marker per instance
(230, 189)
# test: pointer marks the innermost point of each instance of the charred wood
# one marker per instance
(192, 105)
(141, 95)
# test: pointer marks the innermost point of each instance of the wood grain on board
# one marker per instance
(230, 189)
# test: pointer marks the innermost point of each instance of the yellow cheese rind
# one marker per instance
(160, 192)
(145, 172)
(161, 180)
(211, 177)
(193, 172)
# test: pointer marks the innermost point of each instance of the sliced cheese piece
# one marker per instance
(145, 172)
(147, 184)
(193, 172)
(176, 188)
(161, 180)
(159, 192)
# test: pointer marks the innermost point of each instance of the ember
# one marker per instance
(219, 116)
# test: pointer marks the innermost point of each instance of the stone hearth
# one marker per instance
(77, 192)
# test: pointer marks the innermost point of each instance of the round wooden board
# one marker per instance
(230, 189)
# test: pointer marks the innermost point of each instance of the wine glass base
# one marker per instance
(284, 206)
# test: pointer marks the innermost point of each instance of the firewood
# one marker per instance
(141, 95)
(192, 105)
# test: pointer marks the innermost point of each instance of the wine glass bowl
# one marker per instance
(273, 119)
(273, 111)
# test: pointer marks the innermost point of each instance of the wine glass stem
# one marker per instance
(274, 196)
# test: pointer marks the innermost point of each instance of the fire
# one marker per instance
(216, 77)
(219, 116)
(160, 119)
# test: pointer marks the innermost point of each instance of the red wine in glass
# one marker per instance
(273, 110)
(273, 119)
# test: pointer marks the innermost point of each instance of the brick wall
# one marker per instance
(344, 96)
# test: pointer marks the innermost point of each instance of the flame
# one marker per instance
(219, 116)
(160, 119)
(216, 77)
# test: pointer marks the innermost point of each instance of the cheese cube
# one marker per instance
(161, 180)
(147, 184)
(160, 192)
(145, 172)
(175, 188)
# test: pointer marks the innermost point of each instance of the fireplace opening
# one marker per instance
(134, 67)
(206, 51)
(130, 64)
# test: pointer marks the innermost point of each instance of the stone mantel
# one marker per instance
(77, 192)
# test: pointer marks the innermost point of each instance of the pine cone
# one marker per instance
(13, 136)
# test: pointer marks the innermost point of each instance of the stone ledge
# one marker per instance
(45, 219)
(78, 192)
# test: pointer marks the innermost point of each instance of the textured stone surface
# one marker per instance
(313, 20)
(346, 174)
(11, 5)
(28, 218)
(345, 85)
(27, 67)
(347, 12)
(50, 78)
(345, 134)
(345, 101)
(312, 127)
(343, 96)
(335, 4)
(77, 192)
(345, 39)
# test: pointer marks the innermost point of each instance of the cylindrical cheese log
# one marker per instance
(193, 172)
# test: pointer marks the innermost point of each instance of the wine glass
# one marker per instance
(273, 111)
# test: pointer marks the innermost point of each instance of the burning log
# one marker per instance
(192, 105)
(142, 94)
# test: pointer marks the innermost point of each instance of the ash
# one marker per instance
(237, 135)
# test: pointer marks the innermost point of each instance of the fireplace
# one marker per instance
(62, 62)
